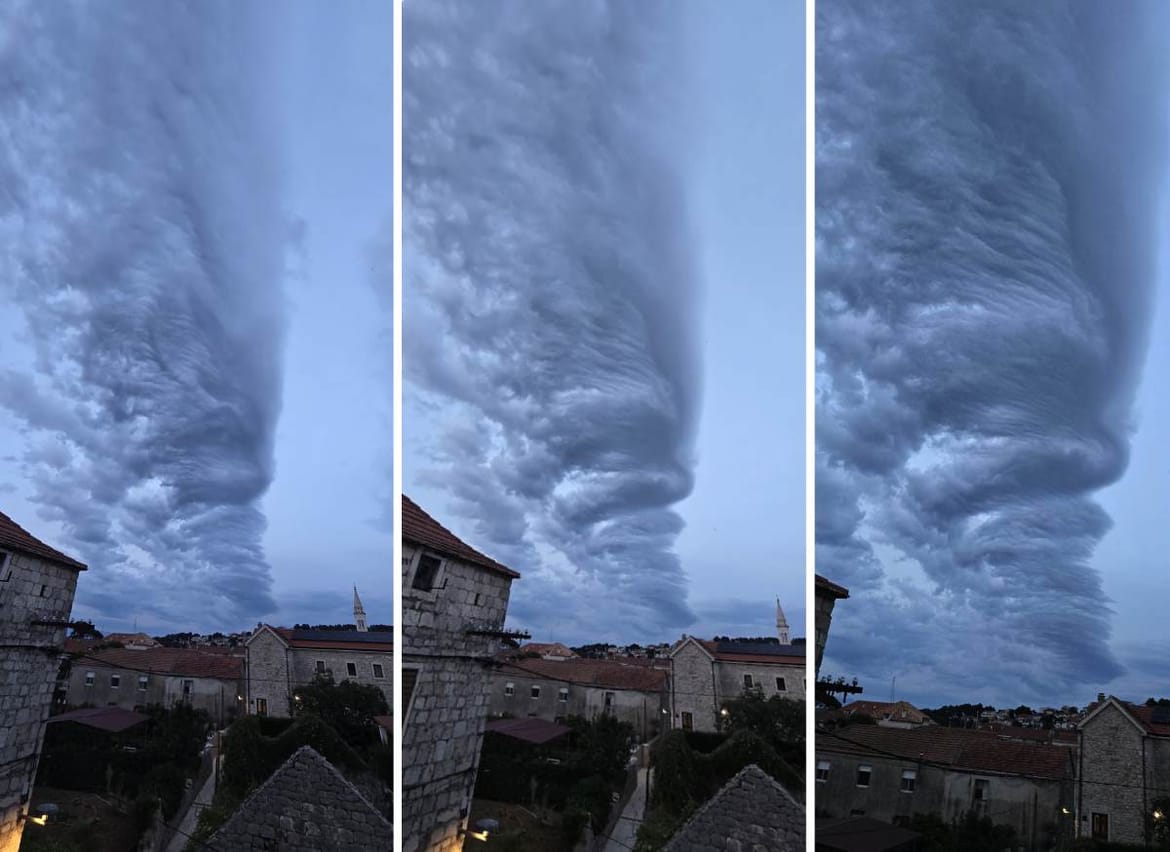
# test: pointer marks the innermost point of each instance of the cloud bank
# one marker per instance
(989, 184)
(549, 294)
(142, 243)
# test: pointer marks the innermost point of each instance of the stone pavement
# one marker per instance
(622, 838)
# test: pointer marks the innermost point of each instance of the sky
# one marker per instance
(195, 372)
(603, 307)
(990, 199)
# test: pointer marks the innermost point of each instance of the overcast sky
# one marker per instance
(990, 185)
(195, 380)
(603, 302)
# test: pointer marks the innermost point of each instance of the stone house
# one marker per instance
(454, 602)
(279, 659)
(751, 811)
(1124, 769)
(826, 594)
(706, 674)
(120, 677)
(555, 689)
(891, 774)
(888, 714)
(37, 585)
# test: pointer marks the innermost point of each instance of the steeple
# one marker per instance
(781, 624)
(359, 612)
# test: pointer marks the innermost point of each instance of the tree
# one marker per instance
(84, 630)
(348, 707)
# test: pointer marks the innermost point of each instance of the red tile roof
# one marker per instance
(1144, 715)
(959, 748)
(553, 648)
(898, 711)
(827, 586)
(181, 662)
(611, 674)
(15, 537)
(421, 528)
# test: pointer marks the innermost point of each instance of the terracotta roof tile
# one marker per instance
(15, 537)
(181, 662)
(611, 674)
(421, 528)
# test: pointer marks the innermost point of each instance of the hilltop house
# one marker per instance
(454, 602)
(891, 774)
(555, 689)
(1124, 774)
(37, 584)
(120, 677)
(279, 659)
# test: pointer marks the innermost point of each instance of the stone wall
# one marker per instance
(211, 694)
(267, 675)
(729, 680)
(31, 589)
(443, 726)
(1112, 761)
(304, 667)
(693, 688)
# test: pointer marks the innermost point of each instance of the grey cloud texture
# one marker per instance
(550, 336)
(142, 241)
(989, 182)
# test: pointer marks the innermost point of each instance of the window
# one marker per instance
(89, 678)
(379, 673)
(536, 692)
(563, 694)
(857, 812)
(823, 767)
(261, 706)
(909, 778)
(320, 667)
(863, 773)
(1100, 826)
(409, 679)
(509, 689)
(142, 681)
(114, 681)
(187, 686)
(981, 789)
(747, 682)
(780, 685)
(427, 572)
(609, 701)
(688, 721)
(351, 669)
(44, 591)
(478, 598)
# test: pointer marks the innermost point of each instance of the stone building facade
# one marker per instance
(826, 593)
(554, 689)
(891, 774)
(208, 680)
(705, 675)
(1124, 756)
(37, 585)
(278, 659)
(454, 602)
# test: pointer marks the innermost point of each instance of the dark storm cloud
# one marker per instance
(141, 240)
(549, 290)
(989, 184)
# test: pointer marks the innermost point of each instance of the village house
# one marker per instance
(891, 774)
(555, 689)
(546, 650)
(454, 602)
(826, 594)
(706, 674)
(279, 659)
(1124, 774)
(888, 714)
(121, 677)
(37, 585)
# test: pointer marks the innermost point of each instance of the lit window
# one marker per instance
(909, 778)
(509, 689)
(142, 681)
(536, 692)
(351, 669)
(378, 671)
(89, 678)
(823, 770)
(563, 694)
(780, 685)
(114, 681)
(863, 773)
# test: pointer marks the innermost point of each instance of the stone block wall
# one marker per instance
(1112, 783)
(266, 673)
(693, 688)
(642, 709)
(304, 667)
(729, 678)
(31, 589)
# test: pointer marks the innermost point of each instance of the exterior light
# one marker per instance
(39, 820)
(723, 712)
(1158, 815)
(1065, 811)
(478, 835)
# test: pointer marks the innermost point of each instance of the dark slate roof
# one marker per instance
(306, 806)
(752, 811)
(756, 652)
(421, 528)
(15, 537)
(532, 730)
(111, 719)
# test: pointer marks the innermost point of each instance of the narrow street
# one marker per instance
(622, 838)
(191, 818)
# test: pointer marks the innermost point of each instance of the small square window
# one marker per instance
(320, 667)
(563, 694)
(823, 767)
(115, 680)
(909, 779)
(509, 689)
(378, 671)
(536, 692)
(142, 681)
(747, 682)
(89, 678)
(426, 573)
(863, 774)
(780, 685)
(351, 669)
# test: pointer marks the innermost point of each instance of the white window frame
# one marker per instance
(89, 678)
(115, 681)
(534, 692)
(378, 675)
(910, 775)
(143, 682)
(563, 694)
(868, 770)
(823, 769)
